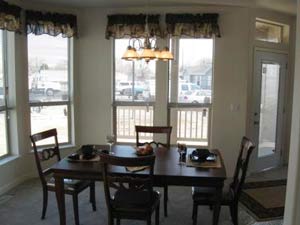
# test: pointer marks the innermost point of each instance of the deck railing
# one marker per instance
(190, 124)
(128, 117)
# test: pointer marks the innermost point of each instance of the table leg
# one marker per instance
(217, 206)
(60, 197)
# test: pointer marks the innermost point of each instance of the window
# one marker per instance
(3, 106)
(191, 90)
(268, 31)
(134, 93)
(49, 85)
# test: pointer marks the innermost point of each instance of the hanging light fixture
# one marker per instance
(149, 51)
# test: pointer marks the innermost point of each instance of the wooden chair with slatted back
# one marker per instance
(133, 197)
(156, 130)
(231, 194)
(72, 187)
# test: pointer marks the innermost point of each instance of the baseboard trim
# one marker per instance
(15, 183)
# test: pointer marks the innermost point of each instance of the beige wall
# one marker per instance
(93, 85)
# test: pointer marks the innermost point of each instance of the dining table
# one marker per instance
(167, 171)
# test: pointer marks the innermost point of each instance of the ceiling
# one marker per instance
(288, 6)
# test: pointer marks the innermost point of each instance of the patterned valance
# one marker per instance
(10, 17)
(51, 23)
(121, 26)
(193, 25)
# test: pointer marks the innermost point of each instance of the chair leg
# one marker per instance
(195, 213)
(45, 202)
(110, 220)
(149, 220)
(75, 208)
(93, 195)
(157, 215)
(166, 200)
(234, 213)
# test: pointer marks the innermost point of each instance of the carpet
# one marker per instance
(264, 200)
(22, 206)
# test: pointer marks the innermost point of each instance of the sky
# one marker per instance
(193, 50)
(52, 50)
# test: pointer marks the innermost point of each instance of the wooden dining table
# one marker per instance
(167, 170)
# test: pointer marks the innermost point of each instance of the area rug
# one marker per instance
(264, 200)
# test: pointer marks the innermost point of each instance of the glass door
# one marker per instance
(269, 82)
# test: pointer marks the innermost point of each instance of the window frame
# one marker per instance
(6, 109)
(117, 103)
(173, 91)
(68, 103)
(272, 23)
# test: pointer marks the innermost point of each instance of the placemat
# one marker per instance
(207, 164)
(136, 168)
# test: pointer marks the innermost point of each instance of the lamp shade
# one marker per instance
(157, 53)
(130, 54)
(166, 55)
(147, 54)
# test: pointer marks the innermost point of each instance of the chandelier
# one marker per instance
(147, 50)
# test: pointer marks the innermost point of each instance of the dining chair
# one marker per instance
(71, 187)
(156, 130)
(130, 196)
(231, 194)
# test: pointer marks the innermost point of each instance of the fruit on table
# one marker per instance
(145, 150)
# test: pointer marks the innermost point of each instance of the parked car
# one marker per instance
(49, 83)
(122, 86)
(183, 88)
(202, 96)
(138, 92)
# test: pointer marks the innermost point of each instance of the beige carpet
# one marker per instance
(22, 206)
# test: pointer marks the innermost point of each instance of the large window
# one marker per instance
(134, 93)
(3, 88)
(49, 84)
(191, 75)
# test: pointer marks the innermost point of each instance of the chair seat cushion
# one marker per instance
(133, 200)
(69, 184)
(207, 194)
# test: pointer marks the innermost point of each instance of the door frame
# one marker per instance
(283, 92)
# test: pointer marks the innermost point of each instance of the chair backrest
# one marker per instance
(154, 130)
(129, 182)
(46, 153)
(240, 172)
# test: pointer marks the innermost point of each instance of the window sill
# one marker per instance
(8, 159)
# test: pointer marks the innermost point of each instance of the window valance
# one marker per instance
(10, 17)
(51, 23)
(121, 25)
(193, 25)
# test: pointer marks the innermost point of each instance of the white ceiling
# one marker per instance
(288, 6)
